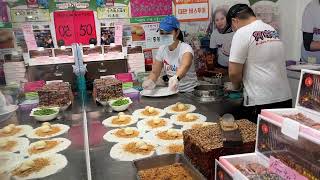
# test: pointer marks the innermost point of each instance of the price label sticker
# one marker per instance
(290, 128)
(53, 81)
(109, 76)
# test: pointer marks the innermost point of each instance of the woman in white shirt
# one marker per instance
(311, 33)
(175, 58)
(221, 37)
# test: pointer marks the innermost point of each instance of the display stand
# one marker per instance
(285, 148)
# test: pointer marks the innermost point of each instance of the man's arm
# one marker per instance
(238, 56)
(235, 74)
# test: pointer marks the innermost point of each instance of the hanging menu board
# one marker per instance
(74, 27)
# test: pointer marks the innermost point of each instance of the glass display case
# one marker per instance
(82, 147)
(288, 140)
(33, 146)
(102, 164)
(277, 155)
(43, 129)
(307, 109)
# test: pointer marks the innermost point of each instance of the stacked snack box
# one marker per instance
(307, 109)
(107, 88)
(203, 145)
(288, 141)
(55, 94)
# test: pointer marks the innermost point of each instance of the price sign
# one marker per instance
(64, 26)
(153, 39)
(74, 27)
(29, 36)
(113, 12)
(192, 10)
(277, 167)
(29, 15)
(84, 26)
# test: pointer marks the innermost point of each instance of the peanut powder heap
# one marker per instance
(175, 172)
(30, 166)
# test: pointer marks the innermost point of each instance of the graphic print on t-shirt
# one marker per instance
(169, 68)
(262, 37)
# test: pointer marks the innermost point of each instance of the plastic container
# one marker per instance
(281, 154)
(132, 93)
(307, 105)
(33, 86)
(28, 105)
(124, 77)
(7, 111)
(285, 146)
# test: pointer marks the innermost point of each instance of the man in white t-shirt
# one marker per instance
(257, 61)
(310, 50)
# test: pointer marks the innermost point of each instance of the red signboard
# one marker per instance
(84, 25)
(63, 22)
(74, 27)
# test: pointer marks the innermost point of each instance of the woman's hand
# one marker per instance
(148, 84)
(173, 83)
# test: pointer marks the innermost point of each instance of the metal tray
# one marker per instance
(164, 160)
(208, 91)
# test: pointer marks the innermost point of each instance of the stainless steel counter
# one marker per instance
(104, 167)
